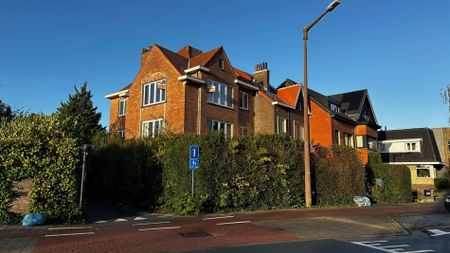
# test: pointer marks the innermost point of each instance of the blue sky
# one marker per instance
(398, 50)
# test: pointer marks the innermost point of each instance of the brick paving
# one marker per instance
(125, 237)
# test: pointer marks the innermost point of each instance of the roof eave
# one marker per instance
(246, 85)
(122, 93)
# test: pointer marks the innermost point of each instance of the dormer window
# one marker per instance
(221, 64)
(334, 108)
(365, 115)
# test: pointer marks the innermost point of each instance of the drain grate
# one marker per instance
(194, 234)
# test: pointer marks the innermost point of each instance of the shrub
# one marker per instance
(396, 183)
(36, 147)
(339, 175)
(441, 183)
(4, 197)
(125, 172)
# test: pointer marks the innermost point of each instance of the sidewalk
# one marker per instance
(162, 233)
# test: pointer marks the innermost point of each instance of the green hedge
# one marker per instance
(441, 183)
(339, 175)
(245, 173)
(36, 147)
(396, 181)
(127, 172)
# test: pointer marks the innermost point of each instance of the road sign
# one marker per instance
(194, 152)
(194, 164)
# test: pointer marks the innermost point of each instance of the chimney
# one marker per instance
(261, 75)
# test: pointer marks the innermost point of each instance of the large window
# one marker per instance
(348, 140)
(337, 137)
(151, 128)
(423, 172)
(244, 130)
(281, 125)
(215, 125)
(243, 100)
(122, 107)
(360, 141)
(154, 92)
(223, 94)
(299, 131)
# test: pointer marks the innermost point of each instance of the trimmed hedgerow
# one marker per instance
(36, 147)
(244, 173)
(395, 184)
(339, 175)
(124, 171)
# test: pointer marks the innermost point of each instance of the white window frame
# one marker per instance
(410, 144)
(244, 130)
(153, 87)
(284, 122)
(243, 95)
(226, 126)
(220, 93)
(338, 141)
(423, 168)
(124, 111)
(121, 134)
(153, 131)
(359, 139)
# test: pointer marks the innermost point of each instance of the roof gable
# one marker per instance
(178, 62)
(289, 95)
(189, 51)
(204, 58)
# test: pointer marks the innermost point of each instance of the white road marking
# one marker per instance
(389, 248)
(165, 216)
(71, 234)
(160, 228)
(232, 223)
(219, 217)
(151, 223)
(140, 218)
(100, 221)
(120, 220)
(438, 232)
(70, 228)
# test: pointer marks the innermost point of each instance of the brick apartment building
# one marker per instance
(191, 91)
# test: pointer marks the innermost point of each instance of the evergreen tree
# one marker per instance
(83, 118)
(5, 111)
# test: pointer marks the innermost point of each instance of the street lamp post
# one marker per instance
(308, 194)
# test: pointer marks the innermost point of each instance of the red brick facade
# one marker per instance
(186, 109)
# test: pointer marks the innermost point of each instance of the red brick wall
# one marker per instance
(264, 114)
(154, 67)
(321, 129)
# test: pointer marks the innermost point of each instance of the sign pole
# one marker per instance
(192, 187)
(82, 175)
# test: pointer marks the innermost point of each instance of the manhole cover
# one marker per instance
(194, 234)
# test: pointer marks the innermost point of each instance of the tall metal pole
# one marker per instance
(308, 193)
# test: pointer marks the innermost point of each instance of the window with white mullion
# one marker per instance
(222, 94)
(151, 128)
(122, 107)
(215, 125)
(154, 92)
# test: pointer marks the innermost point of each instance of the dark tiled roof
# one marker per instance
(351, 102)
(188, 51)
(428, 148)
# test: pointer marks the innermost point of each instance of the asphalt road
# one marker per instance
(418, 242)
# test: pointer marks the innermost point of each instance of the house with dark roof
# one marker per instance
(188, 91)
(415, 148)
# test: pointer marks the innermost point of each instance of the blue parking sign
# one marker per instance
(193, 152)
(194, 164)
